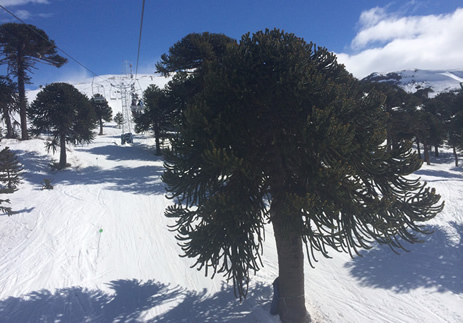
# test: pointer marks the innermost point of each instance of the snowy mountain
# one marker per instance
(413, 80)
(97, 248)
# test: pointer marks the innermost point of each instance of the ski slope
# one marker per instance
(97, 248)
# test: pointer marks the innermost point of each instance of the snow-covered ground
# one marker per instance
(97, 248)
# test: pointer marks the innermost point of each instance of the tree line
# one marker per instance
(429, 121)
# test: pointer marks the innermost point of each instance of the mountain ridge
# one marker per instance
(416, 79)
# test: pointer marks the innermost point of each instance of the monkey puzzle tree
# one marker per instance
(60, 109)
(10, 176)
(102, 110)
(187, 60)
(10, 171)
(449, 107)
(281, 133)
(119, 119)
(397, 106)
(8, 103)
(22, 46)
(156, 114)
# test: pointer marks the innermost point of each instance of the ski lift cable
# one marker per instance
(139, 37)
(41, 36)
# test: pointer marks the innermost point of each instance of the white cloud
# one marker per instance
(73, 75)
(11, 3)
(22, 14)
(372, 17)
(387, 42)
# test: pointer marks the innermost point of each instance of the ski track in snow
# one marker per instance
(97, 248)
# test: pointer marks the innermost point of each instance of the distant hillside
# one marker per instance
(413, 80)
(111, 86)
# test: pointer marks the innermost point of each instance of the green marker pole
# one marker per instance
(98, 248)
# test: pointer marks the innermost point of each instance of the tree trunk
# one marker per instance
(9, 126)
(101, 127)
(436, 151)
(157, 134)
(455, 155)
(388, 140)
(62, 152)
(22, 97)
(418, 147)
(426, 153)
(291, 270)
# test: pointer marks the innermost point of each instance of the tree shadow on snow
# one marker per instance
(436, 263)
(36, 166)
(135, 151)
(139, 180)
(441, 175)
(130, 298)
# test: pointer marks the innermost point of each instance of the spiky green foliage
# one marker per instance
(47, 184)
(156, 115)
(21, 47)
(187, 60)
(102, 110)
(281, 133)
(10, 176)
(189, 54)
(8, 104)
(5, 209)
(66, 114)
(119, 119)
(400, 107)
(10, 171)
(448, 106)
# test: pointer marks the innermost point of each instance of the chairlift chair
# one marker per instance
(126, 138)
(98, 92)
(98, 98)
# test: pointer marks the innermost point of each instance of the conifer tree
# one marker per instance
(187, 61)
(8, 104)
(5, 209)
(10, 171)
(119, 119)
(280, 133)
(156, 114)
(64, 112)
(10, 176)
(449, 107)
(22, 46)
(102, 110)
(399, 108)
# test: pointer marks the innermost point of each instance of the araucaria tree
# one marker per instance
(10, 171)
(8, 104)
(102, 110)
(119, 119)
(22, 46)
(66, 114)
(281, 133)
(10, 176)
(155, 114)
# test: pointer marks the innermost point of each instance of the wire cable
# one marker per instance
(139, 37)
(61, 50)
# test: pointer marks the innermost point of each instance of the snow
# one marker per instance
(97, 248)
(413, 80)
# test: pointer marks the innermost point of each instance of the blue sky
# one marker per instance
(367, 35)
